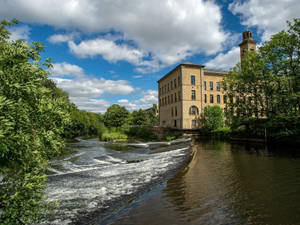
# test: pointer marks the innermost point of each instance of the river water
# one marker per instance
(222, 184)
(99, 177)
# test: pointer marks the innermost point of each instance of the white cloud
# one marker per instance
(148, 98)
(91, 105)
(93, 87)
(269, 16)
(137, 76)
(19, 32)
(226, 60)
(85, 91)
(59, 38)
(168, 30)
(108, 49)
(66, 69)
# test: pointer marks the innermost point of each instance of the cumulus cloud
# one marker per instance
(91, 105)
(60, 38)
(85, 91)
(66, 69)
(166, 30)
(148, 98)
(268, 16)
(19, 32)
(226, 60)
(93, 87)
(108, 49)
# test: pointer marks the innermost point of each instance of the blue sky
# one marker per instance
(106, 52)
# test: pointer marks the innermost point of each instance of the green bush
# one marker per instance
(223, 132)
(112, 136)
(212, 118)
(170, 138)
(32, 117)
(141, 133)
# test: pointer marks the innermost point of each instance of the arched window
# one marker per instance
(194, 110)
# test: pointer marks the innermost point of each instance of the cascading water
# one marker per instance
(98, 175)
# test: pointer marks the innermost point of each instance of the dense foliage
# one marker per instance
(142, 117)
(122, 125)
(212, 118)
(265, 87)
(32, 121)
(84, 124)
(116, 116)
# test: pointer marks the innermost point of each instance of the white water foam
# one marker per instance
(93, 187)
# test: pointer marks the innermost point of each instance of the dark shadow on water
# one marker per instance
(226, 183)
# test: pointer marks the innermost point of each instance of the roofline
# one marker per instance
(182, 64)
(215, 72)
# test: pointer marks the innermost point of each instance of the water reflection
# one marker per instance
(226, 184)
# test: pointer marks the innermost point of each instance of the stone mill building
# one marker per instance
(188, 88)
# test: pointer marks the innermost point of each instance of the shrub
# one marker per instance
(141, 133)
(112, 136)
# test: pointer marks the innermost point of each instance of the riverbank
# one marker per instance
(96, 181)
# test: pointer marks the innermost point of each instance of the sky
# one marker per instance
(108, 52)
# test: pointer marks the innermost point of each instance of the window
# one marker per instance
(175, 123)
(205, 98)
(179, 95)
(168, 99)
(179, 80)
(192, 80)
(168, 87)
(218, 86)
(159, 102)
(175, 110)
(224, 99)
(211, 85)
(194, 123)
(174, 83)
(211, 98)
(171, 98)
(204, 84)
(194, 110)
(193, 95)
(218, 99)
(172, 112)
(165, 88)
(171, 85)
(175, 97)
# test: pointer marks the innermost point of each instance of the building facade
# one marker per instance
(188, 88)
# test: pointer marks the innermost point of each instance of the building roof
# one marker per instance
(189, 64)
(215, 72)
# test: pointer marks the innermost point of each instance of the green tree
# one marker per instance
(32, 121)
(212, 118)
(139, 118)
(265, 87)
(153, 118)
(115, 116)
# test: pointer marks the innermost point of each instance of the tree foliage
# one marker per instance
(266, 84)
(116, 116)
(212, 118)
(32, 121)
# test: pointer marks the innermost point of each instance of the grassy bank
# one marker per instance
(128, 134)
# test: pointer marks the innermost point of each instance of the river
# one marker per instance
(222, 184)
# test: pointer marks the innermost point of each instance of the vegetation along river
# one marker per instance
(223, 183)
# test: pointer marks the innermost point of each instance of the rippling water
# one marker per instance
(224, 184)
(99, 175)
